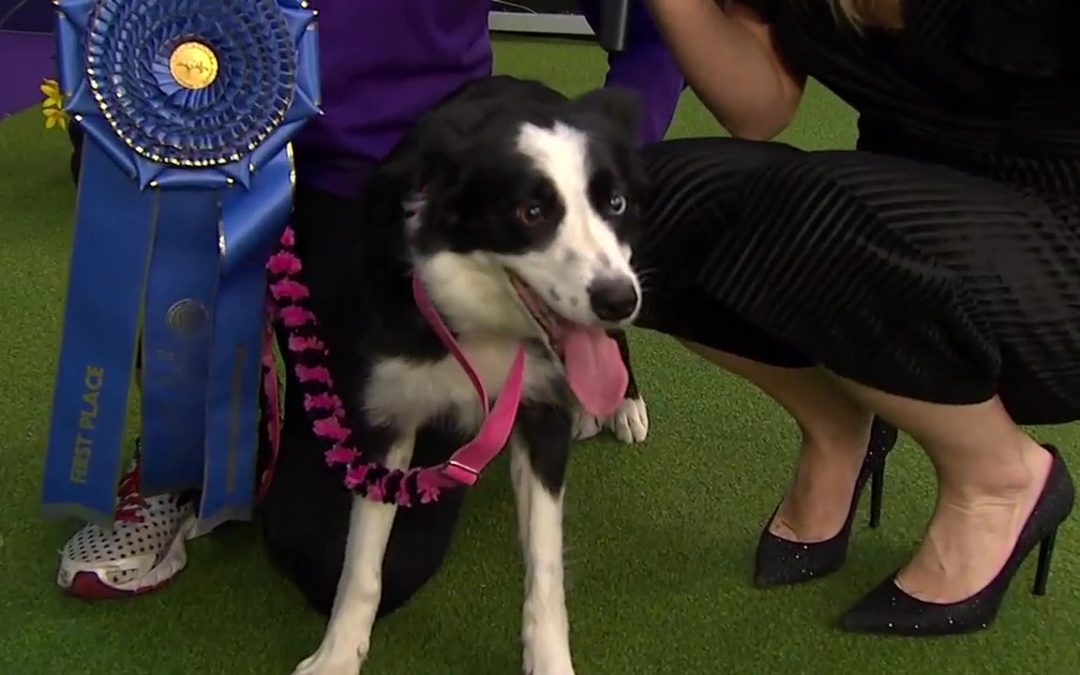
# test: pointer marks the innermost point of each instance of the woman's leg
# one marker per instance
(990, 474)
(908, 278)
(835, 429)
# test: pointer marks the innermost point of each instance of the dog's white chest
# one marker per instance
(409, 392)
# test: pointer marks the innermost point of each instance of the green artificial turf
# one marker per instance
(659, 536)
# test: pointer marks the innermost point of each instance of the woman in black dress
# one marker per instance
(931, 278)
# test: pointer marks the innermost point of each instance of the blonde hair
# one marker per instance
(886, 14)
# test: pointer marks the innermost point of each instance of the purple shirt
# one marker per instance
(384, 62)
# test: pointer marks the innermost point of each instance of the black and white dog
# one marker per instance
(517, 207)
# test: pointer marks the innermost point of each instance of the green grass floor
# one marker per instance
(660, 537)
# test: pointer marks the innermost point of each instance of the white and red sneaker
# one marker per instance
(143, 551)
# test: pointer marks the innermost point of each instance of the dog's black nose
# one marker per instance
(613, 298)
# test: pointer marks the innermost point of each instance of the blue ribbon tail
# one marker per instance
(252, 222)
(176, 340)
(107, 278)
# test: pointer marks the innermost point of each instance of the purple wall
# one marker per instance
(37, 16)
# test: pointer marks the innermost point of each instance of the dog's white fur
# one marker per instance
(473, 294)
(630, 423)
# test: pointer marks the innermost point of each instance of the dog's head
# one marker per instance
(525, 209)
(522, 218)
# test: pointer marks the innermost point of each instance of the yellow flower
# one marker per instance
(53, 97)
(53, 105)
(55, 117)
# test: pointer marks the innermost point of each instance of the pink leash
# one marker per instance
(326, 412)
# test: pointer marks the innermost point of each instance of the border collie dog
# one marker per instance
(517, 208)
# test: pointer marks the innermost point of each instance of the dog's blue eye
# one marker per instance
(617, 204)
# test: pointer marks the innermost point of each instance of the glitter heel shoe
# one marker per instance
(890, 611)
(782, 562)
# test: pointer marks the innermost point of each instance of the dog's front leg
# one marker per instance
(348, 635)
(539, 451)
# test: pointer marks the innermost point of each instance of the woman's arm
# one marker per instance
(730, 60)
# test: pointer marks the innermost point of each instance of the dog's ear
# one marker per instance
(617, 105)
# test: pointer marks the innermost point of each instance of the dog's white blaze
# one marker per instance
(585, 247)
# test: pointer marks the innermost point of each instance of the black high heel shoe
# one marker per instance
(780, 561)
(889, 610)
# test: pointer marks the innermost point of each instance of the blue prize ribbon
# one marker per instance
(180, 299)
(188, 107)
(251, 225)
(100, 334)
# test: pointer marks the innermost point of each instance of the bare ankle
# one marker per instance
(1001, 480)
(847, 433)
(975, 528)
(819, 498)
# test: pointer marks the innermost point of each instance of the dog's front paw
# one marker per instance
(332, 660)
(585, 425)
(631, 421)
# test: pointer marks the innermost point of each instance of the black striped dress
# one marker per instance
(940, 260)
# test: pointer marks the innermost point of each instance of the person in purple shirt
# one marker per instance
(382, 64)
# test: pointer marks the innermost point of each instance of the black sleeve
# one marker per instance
(1024, 38)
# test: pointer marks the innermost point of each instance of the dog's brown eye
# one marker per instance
(530, 214)
(617, 204)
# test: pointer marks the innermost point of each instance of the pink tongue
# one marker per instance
(594, 369)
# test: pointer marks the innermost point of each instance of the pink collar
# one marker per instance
(288, 304)
(470, 460)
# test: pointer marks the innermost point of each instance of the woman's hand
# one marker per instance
(729, 58)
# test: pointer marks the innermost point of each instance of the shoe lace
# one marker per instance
(130, 503)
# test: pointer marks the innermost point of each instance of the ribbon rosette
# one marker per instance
(188, 107)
